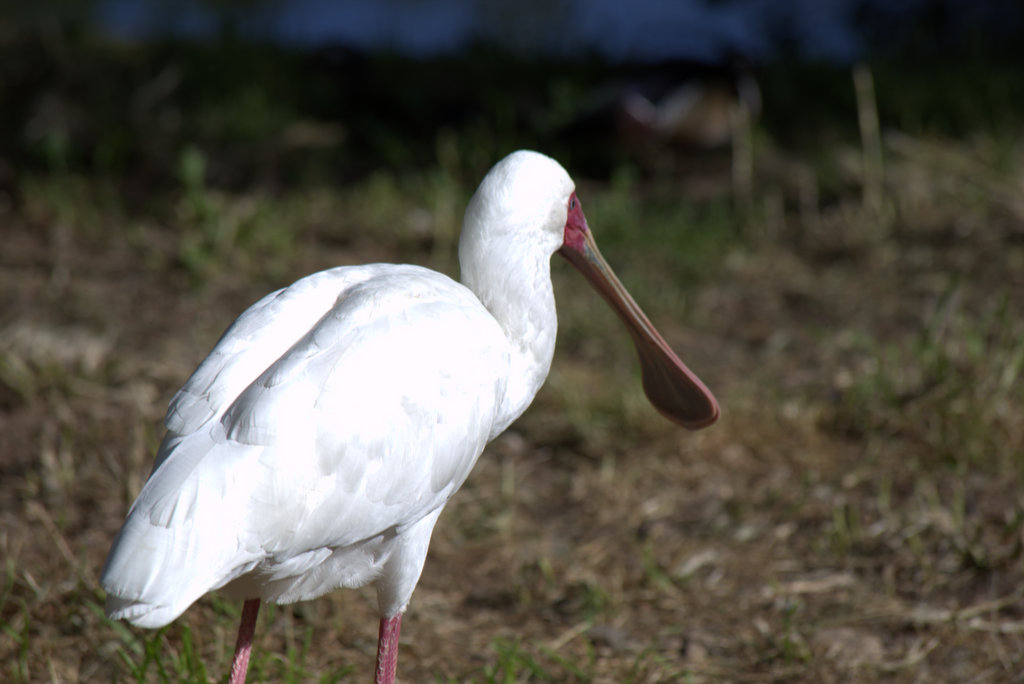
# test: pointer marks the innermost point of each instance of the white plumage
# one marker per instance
(316, 445)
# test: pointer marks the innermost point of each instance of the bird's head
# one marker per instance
(529, 199)
(523, 197)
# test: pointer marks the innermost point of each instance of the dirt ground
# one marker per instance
(856, 515)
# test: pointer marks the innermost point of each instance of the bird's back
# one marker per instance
(330, 418)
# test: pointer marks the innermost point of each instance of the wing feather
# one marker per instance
(255, 340)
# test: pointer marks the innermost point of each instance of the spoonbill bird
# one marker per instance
(317, 444)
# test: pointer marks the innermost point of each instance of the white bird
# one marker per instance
(317, 444)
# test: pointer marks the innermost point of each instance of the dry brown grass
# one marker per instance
(855, 516)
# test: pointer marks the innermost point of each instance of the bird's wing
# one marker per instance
(389, 398)
(255, 340)
(361, 427)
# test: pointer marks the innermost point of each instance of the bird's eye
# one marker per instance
(572, 203)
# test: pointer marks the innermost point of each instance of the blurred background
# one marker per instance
(821, 204)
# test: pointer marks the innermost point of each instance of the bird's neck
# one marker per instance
(515, 287)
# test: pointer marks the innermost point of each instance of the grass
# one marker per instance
(855, 516)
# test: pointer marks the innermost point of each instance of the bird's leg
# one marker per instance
(387, 650)
(240, 663)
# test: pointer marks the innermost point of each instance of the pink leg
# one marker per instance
(240, 663)
(387, 650)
